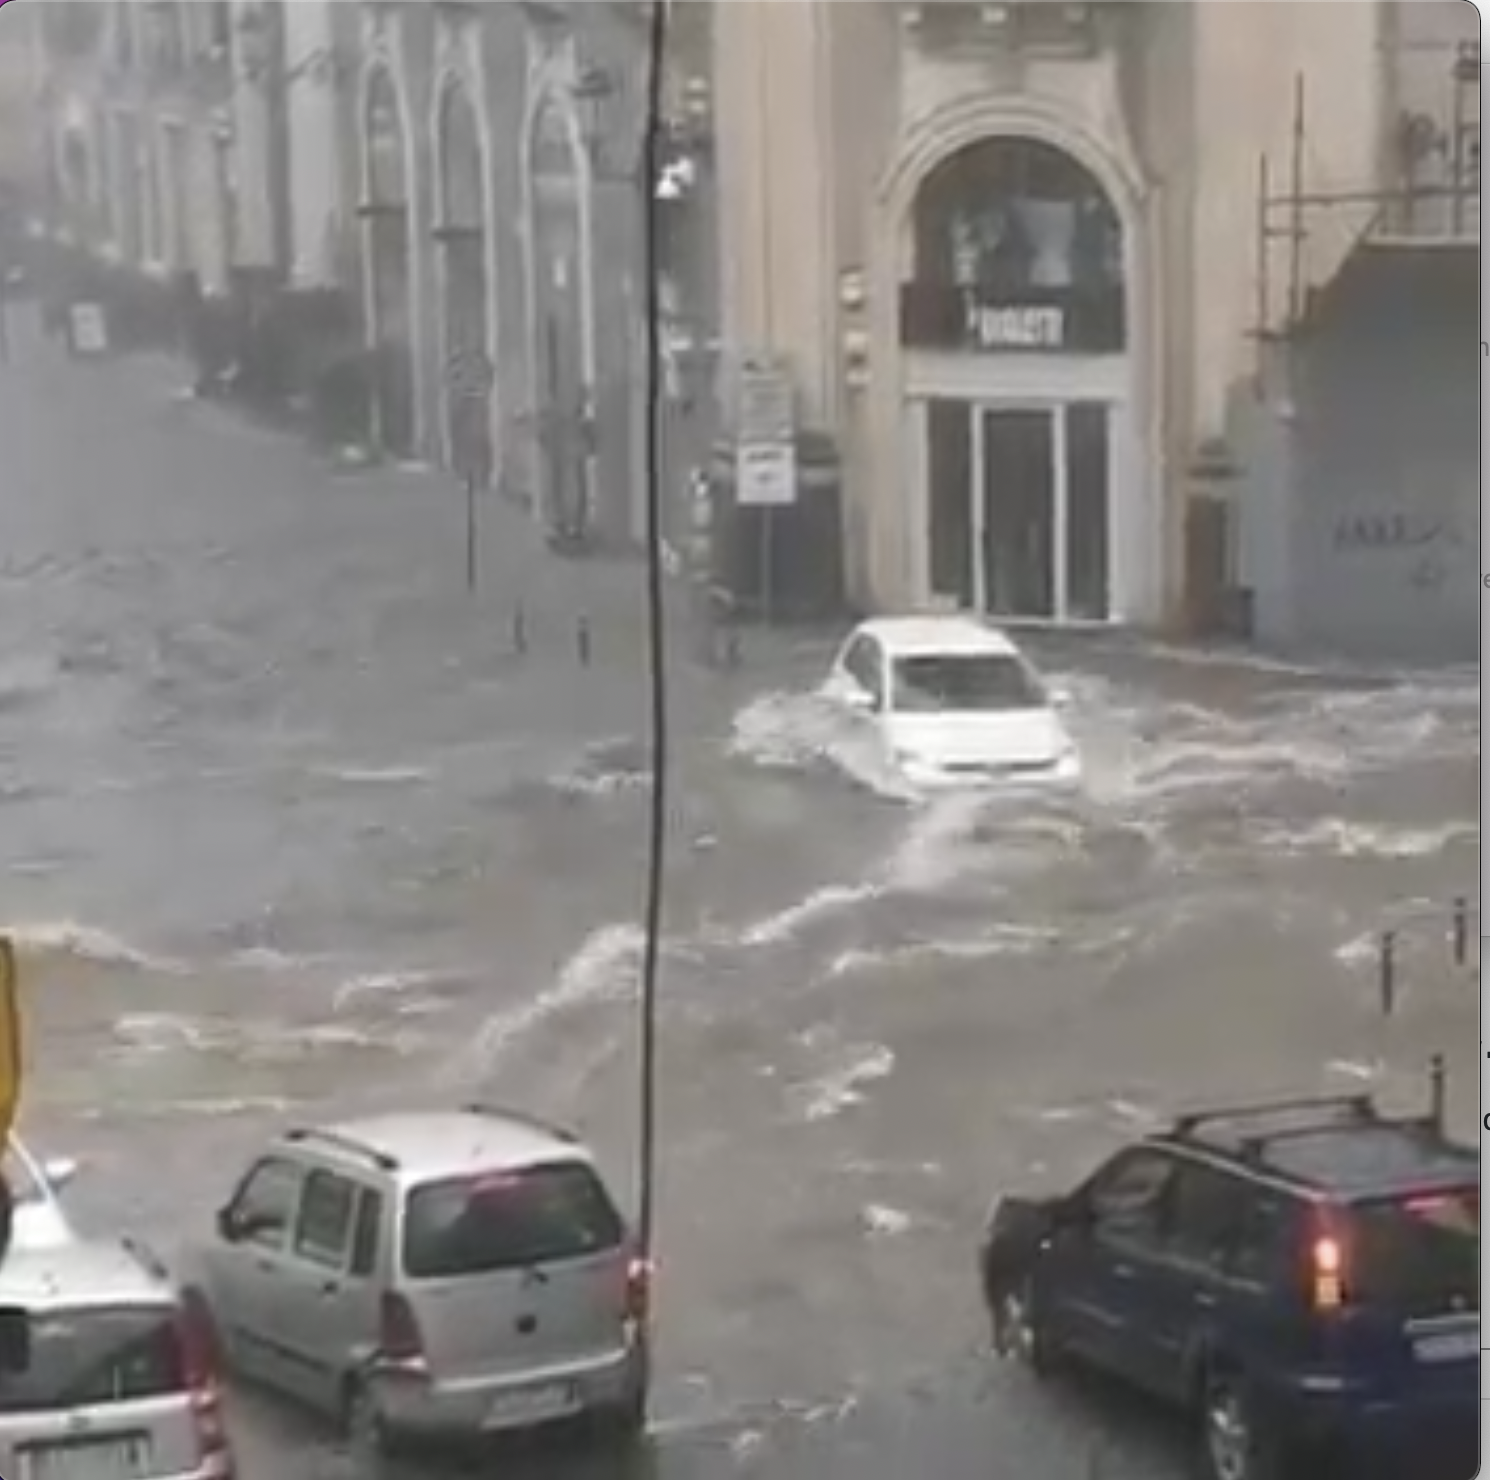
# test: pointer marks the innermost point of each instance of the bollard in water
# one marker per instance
(1438, 1090)
(732, 656)
(1460, 934)
(1387, 972)
(582, 641)
(519, 629)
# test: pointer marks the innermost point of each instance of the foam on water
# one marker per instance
(604, 968)
(47, 940)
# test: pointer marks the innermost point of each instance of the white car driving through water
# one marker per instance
(952, 703)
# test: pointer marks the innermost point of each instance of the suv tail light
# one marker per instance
(399, 1337)
(196, 1355)
(1325, 1269)
(638, 1304)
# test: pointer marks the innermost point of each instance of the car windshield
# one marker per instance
(1419, 1255)
(508, 1220)
(113, 1354)
(940, 683)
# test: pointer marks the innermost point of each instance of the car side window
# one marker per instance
(1206, 1207)
(1127, 1198)
(367, 1233)
(324, 1228)
(264, 1204)
(1268, 1238)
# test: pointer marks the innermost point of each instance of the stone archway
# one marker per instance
(386, 217)
(561, 392)
(461, 234)
(1017, 270)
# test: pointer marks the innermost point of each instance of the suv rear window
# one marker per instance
(111, 1354)
(1419, 1255)
(508, 1220)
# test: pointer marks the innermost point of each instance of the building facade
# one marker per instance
(1020, 260)
(501, 235)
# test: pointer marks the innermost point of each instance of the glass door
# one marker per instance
(1015, 512)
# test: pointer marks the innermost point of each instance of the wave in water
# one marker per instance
(55, 941)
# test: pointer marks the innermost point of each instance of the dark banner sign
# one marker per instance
(1072, 321)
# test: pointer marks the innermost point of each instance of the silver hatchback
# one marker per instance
(431, 1275)
(114, 1377)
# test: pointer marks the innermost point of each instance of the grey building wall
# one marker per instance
(1359, 500)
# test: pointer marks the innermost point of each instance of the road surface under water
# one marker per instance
(288, 828)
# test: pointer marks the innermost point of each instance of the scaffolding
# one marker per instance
(1412, 208)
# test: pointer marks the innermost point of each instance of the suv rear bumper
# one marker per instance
(1420, 1437)
(424, 1407)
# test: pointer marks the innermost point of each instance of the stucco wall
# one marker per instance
(1374, 484)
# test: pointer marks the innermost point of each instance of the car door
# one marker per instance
(1101, 1261)
(246, 1266)
(1193, 1299)
(318, 1284)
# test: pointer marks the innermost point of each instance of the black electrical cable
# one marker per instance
(651, 173)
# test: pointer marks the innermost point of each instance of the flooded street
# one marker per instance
(288, 828)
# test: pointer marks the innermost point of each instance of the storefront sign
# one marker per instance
(1066, 321)
(991, 327)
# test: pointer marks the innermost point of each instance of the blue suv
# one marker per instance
(1300, 1278)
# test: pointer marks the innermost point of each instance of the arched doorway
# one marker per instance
(561, 393)
(461, 236)
(386, 219)
(1013, 327)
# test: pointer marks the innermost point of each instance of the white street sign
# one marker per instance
(765, 432)
(765, 475)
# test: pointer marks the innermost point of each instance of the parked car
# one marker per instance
(431, 1276)
(1301, 1278)
(951, 702)
(111, 1375)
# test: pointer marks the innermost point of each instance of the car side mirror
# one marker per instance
(59, 1171)
(229, 1226)
(1060, 696)
(858, 699)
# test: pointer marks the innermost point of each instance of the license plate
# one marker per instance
(1447, 1346)
(533, 1405)
(106, 1459)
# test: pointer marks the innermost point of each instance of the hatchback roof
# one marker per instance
(951, 632)
(425, 1144)
(80, 1272)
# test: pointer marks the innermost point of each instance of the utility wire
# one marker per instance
(652, 163)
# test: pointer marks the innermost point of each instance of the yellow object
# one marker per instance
(10, 1037)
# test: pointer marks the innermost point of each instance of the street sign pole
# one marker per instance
(469, 376)
(765, 461)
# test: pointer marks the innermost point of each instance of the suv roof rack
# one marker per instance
(1358, 1107)
(380, 1159)
(522, 1117)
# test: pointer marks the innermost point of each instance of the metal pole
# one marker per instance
(1296, 221)
(1438, 1090)
(1460, 936)
(471, 531)
(1264, 252)
(1387, 972)
(1456, 206)
(768, 567)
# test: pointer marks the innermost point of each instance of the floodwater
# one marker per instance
(288, 827)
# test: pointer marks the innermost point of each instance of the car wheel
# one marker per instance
(366, 1432)
(1016, 1330)
(1233, 1443)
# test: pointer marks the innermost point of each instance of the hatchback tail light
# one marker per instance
(638, 1295)
(196, 1355)
(399, 1337)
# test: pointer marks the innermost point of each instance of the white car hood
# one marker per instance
(1026, 737)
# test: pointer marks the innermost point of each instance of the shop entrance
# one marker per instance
(1020, 507)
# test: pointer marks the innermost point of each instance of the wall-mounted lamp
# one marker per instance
(853, 294)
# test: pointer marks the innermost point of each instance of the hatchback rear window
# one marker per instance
(1419, 1255)
(113, 1354)
(508, 1220)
